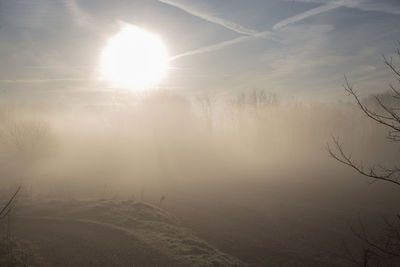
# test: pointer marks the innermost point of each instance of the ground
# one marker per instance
(110, 233)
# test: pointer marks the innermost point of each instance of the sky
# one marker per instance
(299, 49)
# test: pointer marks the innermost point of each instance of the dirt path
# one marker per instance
(65, 243)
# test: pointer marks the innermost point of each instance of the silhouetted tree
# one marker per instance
(385, 250)
(24, 141)
(207, 105)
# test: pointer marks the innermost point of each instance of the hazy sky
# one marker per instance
(297, 48)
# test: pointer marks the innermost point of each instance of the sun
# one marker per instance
(135, 59)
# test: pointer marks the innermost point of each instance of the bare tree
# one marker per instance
(25, 139)
(207, 104)
(385, 250)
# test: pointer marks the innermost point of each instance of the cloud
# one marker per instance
(307, 14)
(216, 20)
(80, 17)
(390, 7)
(39, 14)
(250, 34)
(380, 7)
(221, 45)
(44, 80)
(240, 29)
(212, 47)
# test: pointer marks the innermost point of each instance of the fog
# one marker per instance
(164, 141)
(232, 161)
(188, 133)
(169, 139)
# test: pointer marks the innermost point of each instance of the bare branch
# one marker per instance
(395, 91)
(389, 63)
(384, 250)
(376, 117)
(6, 207)
(346, 159)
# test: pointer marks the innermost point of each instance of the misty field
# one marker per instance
(199, 133)
(204, 181)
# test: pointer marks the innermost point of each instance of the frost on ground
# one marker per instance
(153, 226)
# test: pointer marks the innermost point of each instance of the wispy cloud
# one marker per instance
(283, 23)
(364, 5)
(80, 17)
(44, 80)
(221, 45)
(213, 19)
(379, 7)
(212, 47)
(307, 14)
(238, 28)
(250, 34)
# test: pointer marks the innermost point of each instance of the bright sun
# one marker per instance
(134, 58)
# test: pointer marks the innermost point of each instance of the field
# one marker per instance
(238, 225)
(248, 183)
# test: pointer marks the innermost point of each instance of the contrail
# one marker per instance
(216, 20)
(364, 5)
(278, 26)
(221, 45)
(307, 14)
(213, 47)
